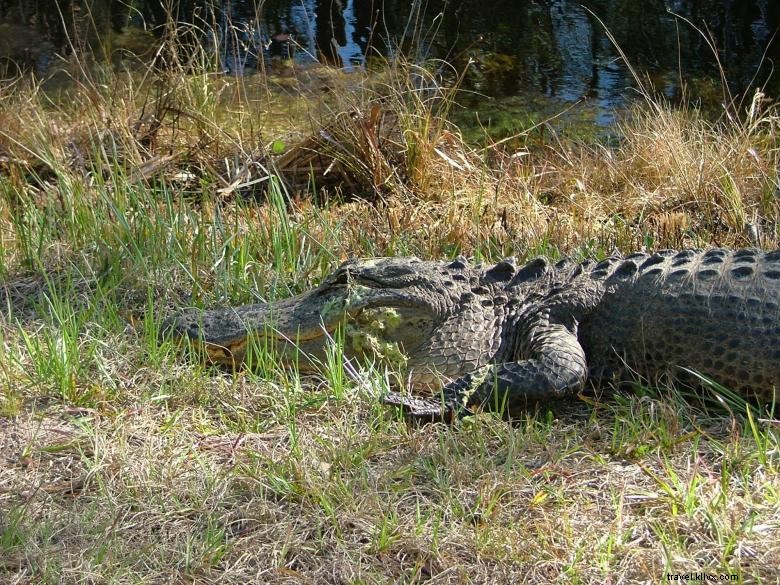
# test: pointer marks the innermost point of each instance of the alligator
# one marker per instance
(507, 336)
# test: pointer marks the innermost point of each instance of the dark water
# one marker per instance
(554, 48)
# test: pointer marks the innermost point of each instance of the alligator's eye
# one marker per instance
(339, 277)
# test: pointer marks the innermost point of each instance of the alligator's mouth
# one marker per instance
(381, 325)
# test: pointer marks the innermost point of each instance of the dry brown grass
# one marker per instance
(675, 179)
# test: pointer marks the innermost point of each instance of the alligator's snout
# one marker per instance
(181, 325)
(220, 338)
(295, 328)
(170, 328)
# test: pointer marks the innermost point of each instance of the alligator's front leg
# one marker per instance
(555, 368)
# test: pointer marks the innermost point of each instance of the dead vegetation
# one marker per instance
(674, 180)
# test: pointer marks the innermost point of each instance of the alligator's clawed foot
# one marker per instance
(420, 409)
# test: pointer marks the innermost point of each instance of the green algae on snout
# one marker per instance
(366, 331)
(367, 334)
(333, 309)
(356, 293)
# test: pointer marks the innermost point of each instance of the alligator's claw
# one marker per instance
(420, 409)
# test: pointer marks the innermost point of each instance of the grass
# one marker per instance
(121, 461)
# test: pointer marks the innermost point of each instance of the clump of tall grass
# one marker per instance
(679, 178)
(383, 146)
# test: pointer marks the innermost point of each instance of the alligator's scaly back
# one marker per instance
(504, 336)
(716, 312)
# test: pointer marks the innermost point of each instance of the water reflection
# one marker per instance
(573, 37)
(557, 47)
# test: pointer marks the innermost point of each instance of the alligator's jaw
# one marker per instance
(299, 329)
